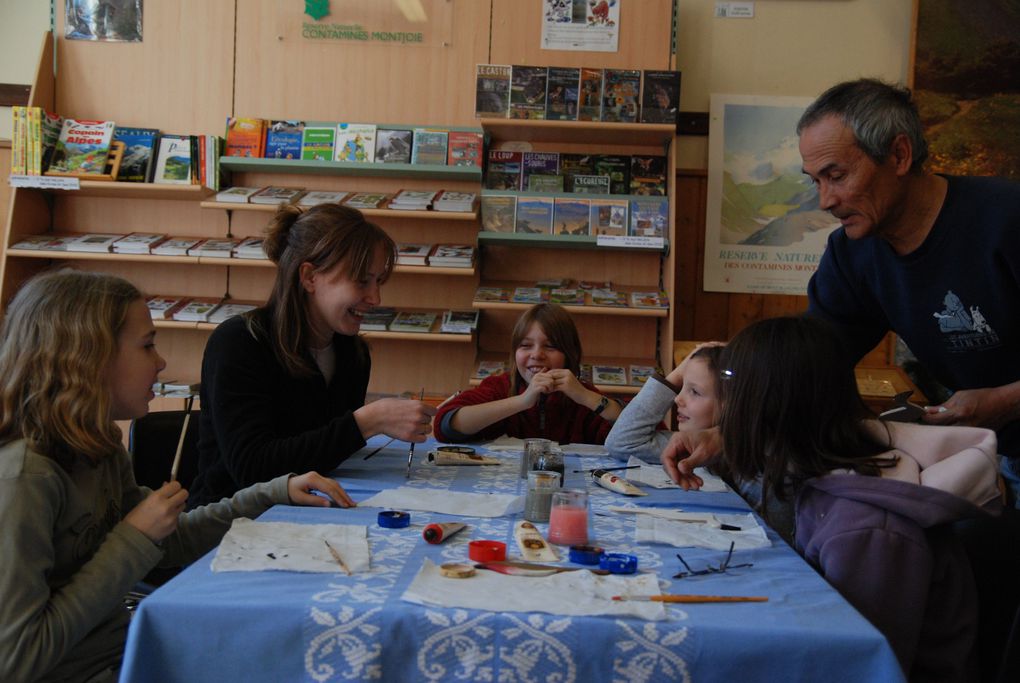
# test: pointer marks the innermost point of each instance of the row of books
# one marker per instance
(613, 375)
(439, 255)
(157, 244)
(638, 216)
(195, 309)
(404, 200)
(576, 94)
(640, 174)
(384, 318)
(354, 142)
(573, 296)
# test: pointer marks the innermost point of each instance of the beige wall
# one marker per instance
(22, 23)
(790, 47)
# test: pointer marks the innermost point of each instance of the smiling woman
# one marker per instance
(283, 387)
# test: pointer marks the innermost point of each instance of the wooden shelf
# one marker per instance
(615, 389)
(588, 132)
(587, 309)
(396, 171)
(57, 255)
(374, 213)
(421, 336)
(544, 241)
(121, 190)
(434, 270)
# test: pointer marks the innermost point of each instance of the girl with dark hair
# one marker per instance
(873, 500)
(283, 387)
(77, 352)
(541, 396)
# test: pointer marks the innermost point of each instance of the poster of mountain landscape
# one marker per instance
(764, 232)
(967, 84)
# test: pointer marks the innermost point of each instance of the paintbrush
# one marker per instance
(692, 598)
(410, 451)
(531, 568)
(180, 442)
(336, 556)
(610, 469)
(380, 448)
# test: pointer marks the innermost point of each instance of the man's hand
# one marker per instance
(687, 450)
(990, 408)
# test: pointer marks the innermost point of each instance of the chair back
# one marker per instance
(152, 442)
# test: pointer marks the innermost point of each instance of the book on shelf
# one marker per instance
(574, 165)
(430, 146)
(19, 140)
(657, 299)
(592, 284)
(44, 242)
(250, 248)
(492, 294)
(492, 91)
(139, 151)
(590, 184)
(317, 142)
(527, 92)
(452, 256)
(584, 373)
(528, 295)
(164, 307)
(245, 137)
(138, 242)
(459, 322)
(545, 183)
(229, 309)
(94, 242)
(567, 296)
(534, 215)
(413, 321)
(276, 195)
(82, 147)
(608, 217)
(455, 201)
(608, 297)
(413, 200)
(614, 375)
(315, 197)
(648, 175)
(562, 93)
(538, 164)
(487, 368)
(413, 254)
(571, 216)
(215, 248)
(589, 104)
(639, 374)
(503, 170)
(366, 200)
(393, 145)
(283, 139)
(378, 319)
(196, 310)
(464, 148)
(617, 167)
(621, 89)
(173, 160)
(660, 96)
(237, 195)
(50, 126)
(176, 246)
(553, 282)
(31, 136)
(499, 213)
(355, 142)
(649, 216)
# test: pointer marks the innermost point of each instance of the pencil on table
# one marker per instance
(336, 556)
(693, 598)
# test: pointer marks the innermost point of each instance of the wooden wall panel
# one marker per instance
(178, 79)
(282, 75)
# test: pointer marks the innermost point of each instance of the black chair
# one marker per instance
(152, 442)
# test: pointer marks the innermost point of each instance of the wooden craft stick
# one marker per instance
(180, 442)
(336, 556)
(693, 598)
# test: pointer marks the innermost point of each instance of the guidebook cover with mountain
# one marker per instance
(83, 147)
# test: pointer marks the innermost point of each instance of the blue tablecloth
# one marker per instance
(285, 626)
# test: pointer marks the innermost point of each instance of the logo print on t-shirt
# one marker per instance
(964, 329)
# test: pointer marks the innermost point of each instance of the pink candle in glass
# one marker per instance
(568, 518)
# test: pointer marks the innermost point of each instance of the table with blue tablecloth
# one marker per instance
(290, 626)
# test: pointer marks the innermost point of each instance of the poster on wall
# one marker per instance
(966, 61)
(117, 21)
(590, 25)
(764, 232)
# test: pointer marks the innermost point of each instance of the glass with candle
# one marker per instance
(534, 451)
(568, 517)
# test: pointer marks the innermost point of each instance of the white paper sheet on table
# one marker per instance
(446, 502)
(566, 593)
(653, 475)
(655, 529)
(510, 444)
(251, 546)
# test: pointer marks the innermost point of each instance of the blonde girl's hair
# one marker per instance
(325, 236)
(56, 343)
(558, 326)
